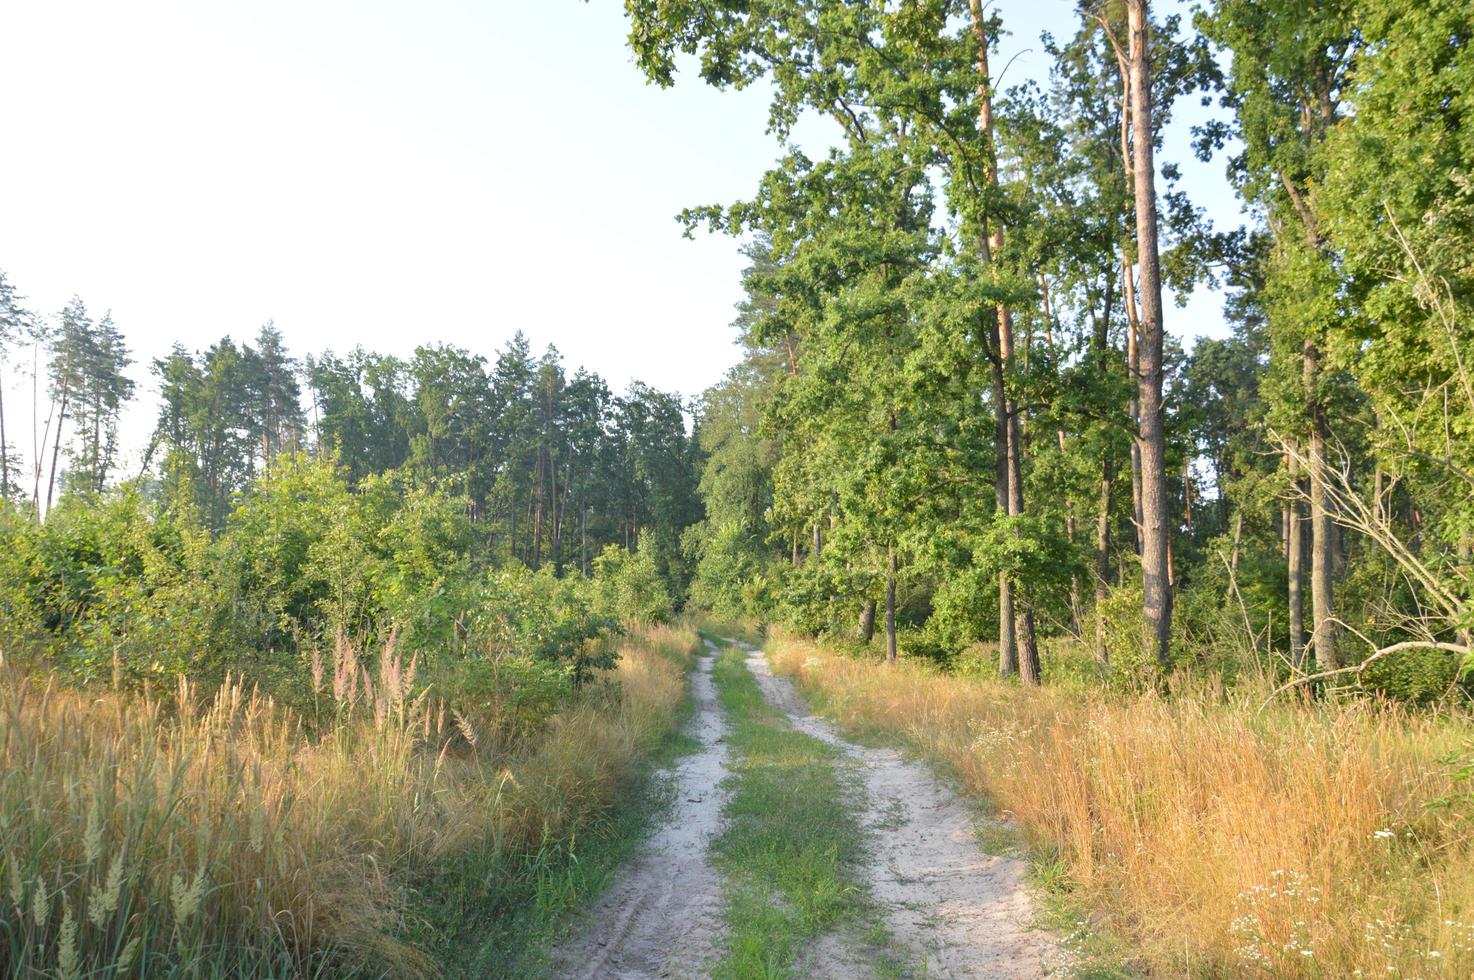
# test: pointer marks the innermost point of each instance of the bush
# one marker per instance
(628, 585)
(109, 587)
(537, 616)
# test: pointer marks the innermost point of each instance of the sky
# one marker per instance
(389, 174)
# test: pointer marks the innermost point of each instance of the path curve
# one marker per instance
(662, 916)
(966, 914)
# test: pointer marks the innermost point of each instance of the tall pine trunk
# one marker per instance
(56, 449)
(890, 605)
(1295, 563)
(1133, 368)
(1128, 302)
(1156, 526)
(1322, 561)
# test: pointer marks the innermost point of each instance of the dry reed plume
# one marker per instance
(216, 836)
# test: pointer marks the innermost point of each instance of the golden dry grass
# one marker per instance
(1216, 839)
(143, 835)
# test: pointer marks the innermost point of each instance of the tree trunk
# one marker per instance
(1102, 344)
(98, 477)
(1295, 565)
(890, 606)
(583, 536)
(1059, 433)
(1006, 433)
(1187, 494)
(537, 513)
(1133, 368)
(867, 622)
(1156, 526)
(1238, 537)
(56, 450)
(1103, 560)
(1028, 642)
(1128, 302)
(1323, 636)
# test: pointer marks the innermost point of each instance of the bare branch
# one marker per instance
(1357, 669)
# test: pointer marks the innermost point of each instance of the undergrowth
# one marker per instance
(214, 836)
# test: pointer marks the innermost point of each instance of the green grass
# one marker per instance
(1094, 953)
(792, 839)
(509, 931)
(492, 923)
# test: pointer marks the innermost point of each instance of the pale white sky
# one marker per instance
(388, 174)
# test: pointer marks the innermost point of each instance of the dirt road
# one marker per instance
(961, 912)
(955, 911)
(662, 917)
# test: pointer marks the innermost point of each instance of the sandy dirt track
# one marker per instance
(960, 912)
(662, 917)
(954, 911)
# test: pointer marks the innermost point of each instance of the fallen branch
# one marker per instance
(1359, 668)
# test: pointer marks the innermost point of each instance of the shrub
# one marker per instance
(628, 585)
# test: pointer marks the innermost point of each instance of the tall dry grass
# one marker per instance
(1217, 839)
(190, 835)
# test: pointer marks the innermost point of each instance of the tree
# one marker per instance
(1289, 69)
(15, 322)
(1156, 517)
(278, 396)
(72, 348)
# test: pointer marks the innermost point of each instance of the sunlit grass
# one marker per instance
(197, 835)
(1216, 839)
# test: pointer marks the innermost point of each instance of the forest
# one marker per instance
(386, 665)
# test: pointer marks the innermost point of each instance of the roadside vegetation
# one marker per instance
(215, 833)
(358, 698)
(1212, 838)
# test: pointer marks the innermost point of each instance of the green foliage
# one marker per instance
(1414, 676)
(124, 587)
(113, 590)
(629, 586)
(730, 580)
(534, 615)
